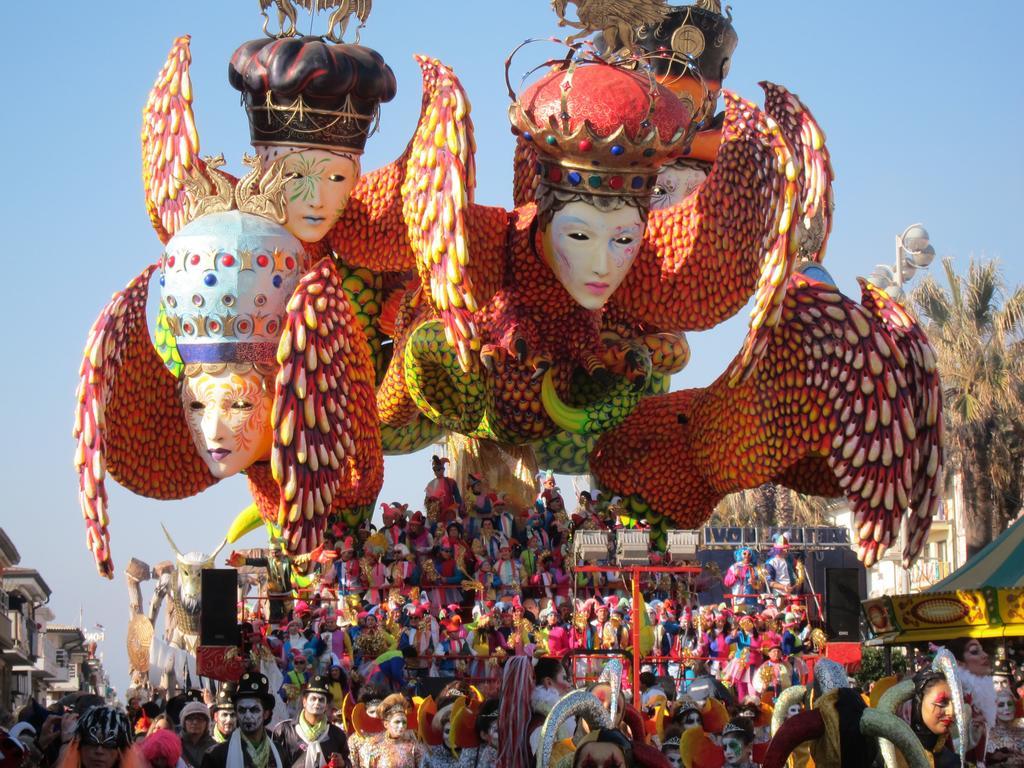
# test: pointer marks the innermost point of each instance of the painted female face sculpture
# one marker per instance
(320, 182)
(228, 415)
(226, 280)
(590, 251)
(675, 183)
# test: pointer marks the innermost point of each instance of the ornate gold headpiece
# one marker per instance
(211, 191)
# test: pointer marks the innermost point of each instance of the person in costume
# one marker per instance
(311, 740)
(780, 573)
(774, 675)
(417, 537)
(738, 743)
(444, 755)
(249, 746)
(1005, 744)
(974, 670)
(932, 717)
(508, 571)
(741, 578)
(102, 738)
(396, 746)
(739, 672)
(442, 493)
(295, 680)
(195, 733)
(486, 729)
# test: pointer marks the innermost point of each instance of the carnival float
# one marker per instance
(314, 318)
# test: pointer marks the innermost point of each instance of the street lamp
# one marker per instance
(913, 252)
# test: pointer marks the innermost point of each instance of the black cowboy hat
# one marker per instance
(319, 684)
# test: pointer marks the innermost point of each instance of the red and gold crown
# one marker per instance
(601, 128)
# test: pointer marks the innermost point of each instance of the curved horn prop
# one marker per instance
(945, 662)
(174, 546)
(612, 674)
(792, 695)
(807, 726)
(582, 704)
(891, 701)
(594, 418)
(895, 732)
(213, 555)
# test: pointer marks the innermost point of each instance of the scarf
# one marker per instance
(259, 755)
(982, 690)
(218, 737)
(312, 735)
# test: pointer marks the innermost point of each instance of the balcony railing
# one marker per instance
(22, 638)
(928, 571)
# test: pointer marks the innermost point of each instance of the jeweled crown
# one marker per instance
(225, 280)
(601, 128)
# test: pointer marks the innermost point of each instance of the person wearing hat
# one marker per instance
(486, 727)
(224, 718)
(103, 739)
(311, 740)
(396, 746)
(442, 492)
(249, 745)
(738, 742)
(417, 537)
(195, 733)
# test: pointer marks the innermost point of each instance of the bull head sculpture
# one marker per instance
(186, 586)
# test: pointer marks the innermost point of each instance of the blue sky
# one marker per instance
(920, 106)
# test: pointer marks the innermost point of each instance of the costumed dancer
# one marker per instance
(774, 675)
(932, 716)
(311, 740)
(740, 669)
(397, 746)
(249, 746)
(741, 578)
(738, 743)
(442, 494)
(974, 671)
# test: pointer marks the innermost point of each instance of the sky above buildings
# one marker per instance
(920, 103)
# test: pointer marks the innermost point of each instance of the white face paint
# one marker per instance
(590, 251)
(250, 716)
(1005, 706)
(446, 731)
(396, 724)
(492, 734)
(226, 721)
(691, 720)
(674, 185)
(736, 750)
(315, 706)
(793, 711)
(674, 758)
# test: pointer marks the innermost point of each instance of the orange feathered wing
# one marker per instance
(170, 142)
(327, 449)
(437, 195)
(736, 235)
(128, 418)
(841, 389)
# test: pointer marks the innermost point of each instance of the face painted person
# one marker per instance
(249, 745)
(310, 740)
(397, 746)
(224, 718)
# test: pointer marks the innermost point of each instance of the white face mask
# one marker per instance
(228, 415)
(316, 705)
(591, 251)
(319, 185)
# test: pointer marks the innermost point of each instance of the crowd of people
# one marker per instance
(454, 591)
(534, 715)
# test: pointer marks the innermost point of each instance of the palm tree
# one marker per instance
(772, 504)
(976, 327)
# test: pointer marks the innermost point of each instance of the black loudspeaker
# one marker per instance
(842, 604)
(218, 613)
